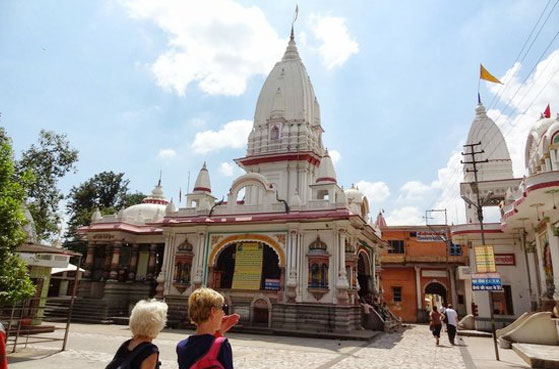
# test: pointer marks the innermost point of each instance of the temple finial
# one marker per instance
(292, 36)
(159, 182)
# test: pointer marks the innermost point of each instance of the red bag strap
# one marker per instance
(216, 346)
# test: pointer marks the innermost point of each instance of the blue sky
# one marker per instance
(144, 86)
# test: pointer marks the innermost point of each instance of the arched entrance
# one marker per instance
(223, 273)
(435, 294)
(364, 277)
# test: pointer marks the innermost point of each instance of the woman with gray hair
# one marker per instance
(147, 319)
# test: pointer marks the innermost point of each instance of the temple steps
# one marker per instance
(85, 310)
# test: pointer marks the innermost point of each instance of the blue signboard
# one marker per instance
(486, 282)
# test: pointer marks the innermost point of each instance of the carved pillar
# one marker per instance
(198, 276)
(89, 260)
(162, 277)
(133, 262)
(292, 279)
(108, 259)
(151, 261)
(115, 261)
(341, 284)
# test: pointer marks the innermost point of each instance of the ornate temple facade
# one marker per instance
(288, 247)
(526, 240)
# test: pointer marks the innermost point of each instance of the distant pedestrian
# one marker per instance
(207, 348)
(436, 323)
(146, 321)
(452, 322)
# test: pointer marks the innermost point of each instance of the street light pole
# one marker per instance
(479, 207)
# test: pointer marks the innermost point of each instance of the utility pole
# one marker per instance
(479, 207)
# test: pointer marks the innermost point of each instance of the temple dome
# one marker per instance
(537, 143)
(151, 209)
(484, 130)
(288, 92)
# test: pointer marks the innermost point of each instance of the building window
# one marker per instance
(397, 294)
(502, 301)
(396, 247)
(413, 234)
(455, 250)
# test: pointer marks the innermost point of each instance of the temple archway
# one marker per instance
(435, 294)
(364, 275)
(271, 274)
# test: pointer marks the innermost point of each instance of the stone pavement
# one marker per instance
(92, 346)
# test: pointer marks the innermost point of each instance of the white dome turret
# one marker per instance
(96, 216)
(203, 181)
(326, 172)
(484, 130)
(171, 208)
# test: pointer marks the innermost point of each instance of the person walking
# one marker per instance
(436, 323)
(207, 348)
(452, 322)
(147, 319)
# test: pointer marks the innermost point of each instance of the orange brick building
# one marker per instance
(419, 270)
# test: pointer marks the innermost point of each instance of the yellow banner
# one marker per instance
(248, 266)
(485, 75)
(485, 259)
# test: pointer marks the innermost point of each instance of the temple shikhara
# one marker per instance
(288, 247)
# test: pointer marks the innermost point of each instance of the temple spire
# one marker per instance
(292, 36)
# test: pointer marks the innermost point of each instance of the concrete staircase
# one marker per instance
(86, 310)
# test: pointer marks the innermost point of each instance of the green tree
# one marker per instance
(14, 280)
(107, 191)
(50, 160)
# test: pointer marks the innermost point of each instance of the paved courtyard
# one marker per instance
(92, 346)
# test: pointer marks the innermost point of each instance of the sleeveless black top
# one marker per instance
(146, 349)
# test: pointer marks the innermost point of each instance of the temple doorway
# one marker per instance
(261, 313)
(435, 295)
(364, 277)
(270, 276)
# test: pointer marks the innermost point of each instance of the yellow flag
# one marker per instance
(484, 74)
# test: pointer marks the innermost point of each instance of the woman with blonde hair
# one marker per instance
(207, 347)
(147, 319)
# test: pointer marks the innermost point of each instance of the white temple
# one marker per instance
(526, 240)
(289, 248)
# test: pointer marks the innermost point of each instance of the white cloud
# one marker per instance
(218, 44)
(335, 156)
(408, 215)
(375, 191)
(232, 135)
(414, 190)
(337, 45)
(226, 169)
(166, 154)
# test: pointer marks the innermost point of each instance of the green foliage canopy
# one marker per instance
(14, 280)
(51, 159)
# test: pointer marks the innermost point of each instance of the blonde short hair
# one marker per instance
(200, 304)
(148, 318)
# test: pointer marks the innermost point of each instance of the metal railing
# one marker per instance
(24, 320)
